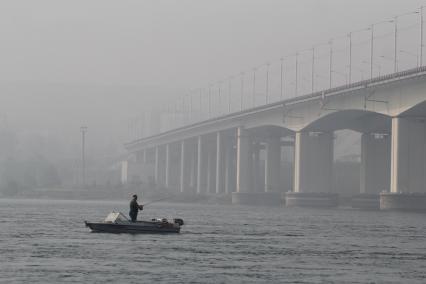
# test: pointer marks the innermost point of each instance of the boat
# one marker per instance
(116, 222)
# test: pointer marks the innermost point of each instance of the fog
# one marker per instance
(103, 64)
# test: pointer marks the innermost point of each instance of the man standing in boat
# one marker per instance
(134, 208)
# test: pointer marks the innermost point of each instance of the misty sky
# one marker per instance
(99, 62)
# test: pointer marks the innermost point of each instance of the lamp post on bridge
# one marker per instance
(254, 87)
(282, 78)
(297, 74)
(395, 20)
(350, 51)
(200, 103)
(229, 93)
(313, 70)
(267, 83)
(210, 100)
(331, 63)
(372, 44)
(242, 91)
(421, 36)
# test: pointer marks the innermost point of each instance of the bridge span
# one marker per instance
(283, 152)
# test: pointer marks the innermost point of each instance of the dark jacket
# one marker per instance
(134, 206)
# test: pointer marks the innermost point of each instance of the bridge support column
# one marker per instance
(168, 165)
(211, 168)
(183, 167)
(273, 165)
(313, 171)
(408, 166)
(193, 169)
(201, 166)
(375, 170)
(144, 156)
(244, 156)
(243, 160)
(229, 169)
(219, 163)
(157, 166)
(245, 183)
(272, 194)
(256, 178)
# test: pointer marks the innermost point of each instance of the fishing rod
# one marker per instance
(157, 200)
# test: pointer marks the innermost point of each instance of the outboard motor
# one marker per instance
(178, 221)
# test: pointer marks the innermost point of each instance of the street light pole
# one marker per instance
(83, 130)
(350, 57)
(421, 37)
(219, 111)
(254, 87)
(313, 70)
(282, 79)
(267, 83)
(297, 73)
(201, 104)
(210, 100)
(242, 91)
(372, 51)
(395, 64)
(331, 63)
(229, 94)
(190, 108)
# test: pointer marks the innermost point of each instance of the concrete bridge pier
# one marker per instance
(244, 185)
(211, 166)
(313, 171)
(408, 166)
(160, 166)
(273, 165)
(168, 167)
(229, 166)
(184, 163)
(220, 162)
(201, 165)
(272, 194)
(374, 170)
(257, 182)
(193, 167)
(157, 166)
(252, 187)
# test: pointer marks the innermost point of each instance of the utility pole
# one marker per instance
(83, 130)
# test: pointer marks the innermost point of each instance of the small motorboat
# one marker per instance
(116, 222)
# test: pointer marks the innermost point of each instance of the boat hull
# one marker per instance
(140, 227)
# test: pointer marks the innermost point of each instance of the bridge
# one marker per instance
(283, 152)
(222, 155)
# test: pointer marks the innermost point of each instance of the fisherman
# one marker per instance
(134, 208)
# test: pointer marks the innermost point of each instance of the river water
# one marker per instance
(45, 241)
